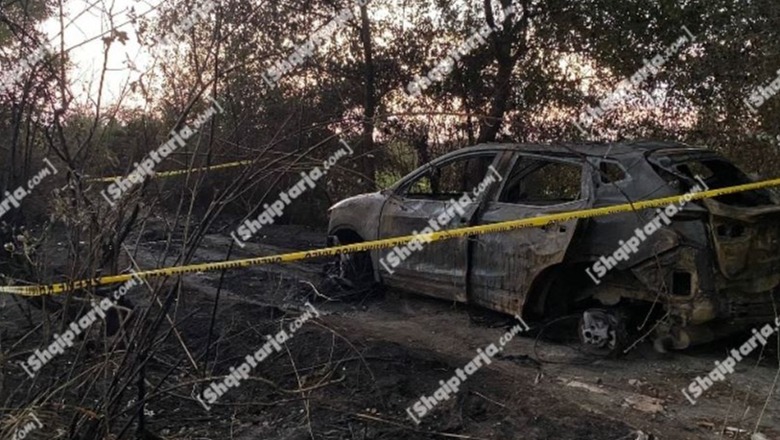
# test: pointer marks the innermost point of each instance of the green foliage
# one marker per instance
(569, 55)
(19, 15)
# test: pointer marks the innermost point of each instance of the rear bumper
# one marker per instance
(748, 308)
(733, 313)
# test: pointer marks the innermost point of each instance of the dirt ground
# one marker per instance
(353, 372)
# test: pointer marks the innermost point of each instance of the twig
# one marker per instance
(488, 399)
(401, 425)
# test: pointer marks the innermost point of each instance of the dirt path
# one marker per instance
(520, 396)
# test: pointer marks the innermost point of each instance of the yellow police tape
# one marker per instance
(511, 225)
(178, 172)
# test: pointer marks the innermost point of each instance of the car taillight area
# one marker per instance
(748, 248)
(744, 228)
(751, 307)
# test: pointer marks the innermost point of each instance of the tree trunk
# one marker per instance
(368, 167)
(490, 125)
(502, 41)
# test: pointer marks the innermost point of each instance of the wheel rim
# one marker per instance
(352, 270)
(598, 330)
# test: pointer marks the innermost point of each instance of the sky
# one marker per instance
(87, 20)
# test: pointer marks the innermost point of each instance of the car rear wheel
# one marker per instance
(602, 332)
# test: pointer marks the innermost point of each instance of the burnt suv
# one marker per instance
(712, 269)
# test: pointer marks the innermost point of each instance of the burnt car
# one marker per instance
(709, 270)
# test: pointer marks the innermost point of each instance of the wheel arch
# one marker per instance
(348, 234)
(564, 282)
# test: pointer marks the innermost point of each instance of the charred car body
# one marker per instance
(714, 270)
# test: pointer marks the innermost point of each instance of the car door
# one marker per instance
(430, 197)
(504, 266)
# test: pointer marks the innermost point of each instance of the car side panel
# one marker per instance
(505, 266)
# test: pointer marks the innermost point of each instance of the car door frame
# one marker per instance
(501, 294)
(455, 288)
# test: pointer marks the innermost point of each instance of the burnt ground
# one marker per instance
(352, 373)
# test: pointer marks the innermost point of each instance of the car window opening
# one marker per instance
(543, 183)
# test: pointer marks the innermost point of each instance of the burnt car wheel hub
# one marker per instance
(352, 271)
(598, 329)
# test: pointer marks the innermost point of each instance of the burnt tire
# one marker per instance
(356, 270)
(352, 271)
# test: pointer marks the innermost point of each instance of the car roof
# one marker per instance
(615, 149)
(619, 151)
